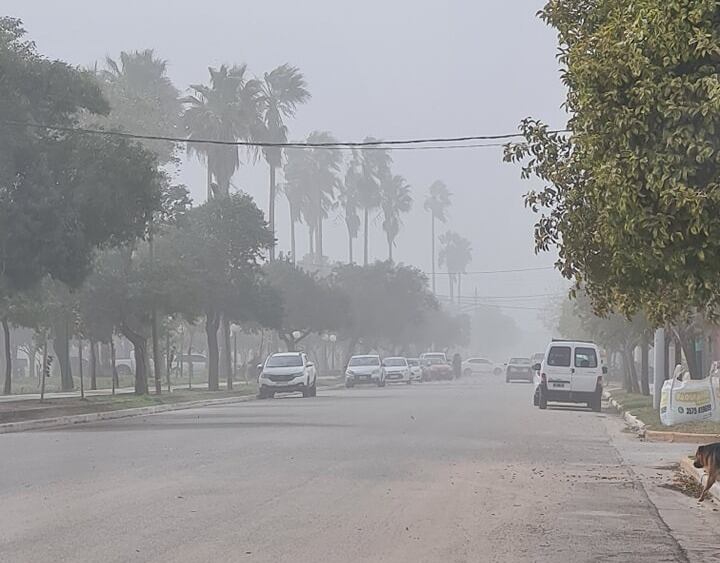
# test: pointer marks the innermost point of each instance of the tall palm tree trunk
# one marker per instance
(459, 280)
(311, 240)
(292, 236)
(271, 210)
(319, 241)
(432, 245)
(350, 245)
(451, 285)
(209, 179)
(390, 248)
(366, 221)
(7, 387)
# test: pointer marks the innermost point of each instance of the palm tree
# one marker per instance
(142, 99)
(281, 91)
(395, 199)
(455, 254)
(349, 193)
(228, 109)
(314, 173)
(437, 202)
(374, 166)
(295, 198)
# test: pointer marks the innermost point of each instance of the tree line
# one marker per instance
(97, 238)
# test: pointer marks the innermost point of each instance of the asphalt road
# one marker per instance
(447, 472)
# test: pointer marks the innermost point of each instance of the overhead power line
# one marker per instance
(433, 143)
(479, 272)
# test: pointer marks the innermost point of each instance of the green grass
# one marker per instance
(641, 407)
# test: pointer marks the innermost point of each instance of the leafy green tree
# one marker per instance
(455, 253)
(349, 195)
(630, 198)
(220, 246)
(227, 110)
(374, 166)
(387, 303)
(62, 196)
(395, 199)
(281, 91)
(310, 304)
(314, 174)
(437, 203)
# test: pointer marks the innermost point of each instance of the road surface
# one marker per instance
(446, 472)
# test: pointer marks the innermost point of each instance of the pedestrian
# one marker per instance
(456, 365)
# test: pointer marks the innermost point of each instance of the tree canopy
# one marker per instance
(632, 199)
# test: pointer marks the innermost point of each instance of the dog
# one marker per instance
(707, 457)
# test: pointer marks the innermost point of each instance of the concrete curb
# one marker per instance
(634, 422)
(687, 467)
(59, 421)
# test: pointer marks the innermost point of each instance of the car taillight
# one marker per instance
(599, 381)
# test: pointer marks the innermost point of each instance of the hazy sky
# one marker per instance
(390, 69)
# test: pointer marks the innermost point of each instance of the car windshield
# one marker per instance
(394, 362)
(413, 362)
(520, 361)
(364, 361)
(284, 361)
(435, 361)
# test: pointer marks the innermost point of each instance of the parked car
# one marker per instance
(287, 372)
(519, 368)
(365, 369)
(198, 362)
(397, 370)
(478, 366)
(571, 372)
(125, 366)
(436, 366)
(415, 369)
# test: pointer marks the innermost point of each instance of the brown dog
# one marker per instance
(707, 457)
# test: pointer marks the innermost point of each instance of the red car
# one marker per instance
(435, 367)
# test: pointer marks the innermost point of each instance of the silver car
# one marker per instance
(287, 373)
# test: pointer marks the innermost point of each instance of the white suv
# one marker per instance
(286, 373)
(397, 370)
(571, 372)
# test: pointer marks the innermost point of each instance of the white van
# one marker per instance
(571, 372)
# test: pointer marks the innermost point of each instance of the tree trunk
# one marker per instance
(61, 344)
(451, 285)
(227, 352)
(366, 234)
(113, 367)
(212, 323)
(432, 246)
(80, 368)
(292, 235)
(157, 360)
(350, 246)
(390, 247)
(631, 384)
(93, 364)
(645, 366)
(209, 179)
(688, 347)
(459, 281)
(271, 210)
(7, 387)
(319, 240)
(139, 343)
(311, 240)
(32, 358)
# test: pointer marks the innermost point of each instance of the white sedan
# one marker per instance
(397, 370)
(480, 366)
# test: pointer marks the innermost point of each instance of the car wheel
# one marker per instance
(596, 403)
(349, 385)
(467, 372)
(507, 379)
(408, 382)
(497, 371)
(542, 400)
(381, 383)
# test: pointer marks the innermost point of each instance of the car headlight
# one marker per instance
(298, 373)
